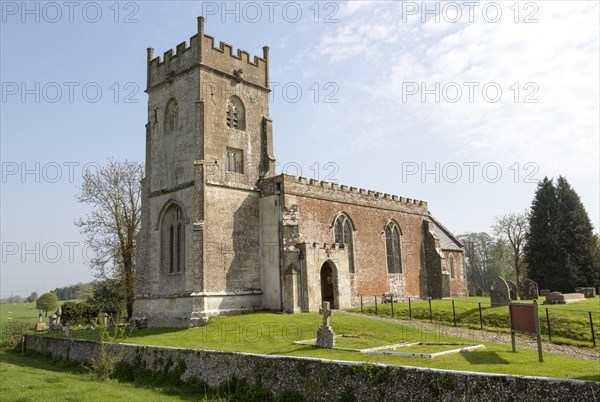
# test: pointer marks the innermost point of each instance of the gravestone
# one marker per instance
(67, 329)
(560, 298)
(40, 325)
(588, 292)
(512, 288)
(499, 293)
(479, 292)
(528, 290)
(54, 324)
(544, 292)
(325, 335)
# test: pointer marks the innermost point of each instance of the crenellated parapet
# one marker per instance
(301, 186)
(202, 52)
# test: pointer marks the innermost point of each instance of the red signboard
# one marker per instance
(523, 318)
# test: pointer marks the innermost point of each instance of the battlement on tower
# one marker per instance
(301, 186)
(202, 52)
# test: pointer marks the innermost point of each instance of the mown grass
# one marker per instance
(23, 312)
(569, 323)
(273, 334)
(26, 377)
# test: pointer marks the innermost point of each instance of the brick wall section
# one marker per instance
(327, 380)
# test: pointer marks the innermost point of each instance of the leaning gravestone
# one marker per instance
(325, 335)
(512, 288)
(528, 290)
(499, 293)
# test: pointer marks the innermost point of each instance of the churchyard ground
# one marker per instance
(569, 323)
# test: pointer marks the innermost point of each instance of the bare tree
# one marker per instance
(513, 227)
(114, 194)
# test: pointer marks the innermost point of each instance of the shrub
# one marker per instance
(13, 333)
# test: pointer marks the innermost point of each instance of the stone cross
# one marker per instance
(326, 313)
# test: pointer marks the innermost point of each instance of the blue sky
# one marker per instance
(463, 106)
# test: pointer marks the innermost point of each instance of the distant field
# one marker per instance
(569, 323)
(20, 311)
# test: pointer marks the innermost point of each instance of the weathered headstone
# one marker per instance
(104, 319)
(40, 325)
(544, 292)
(588, 292)
(479, 292)
(67, 329)
(528, 290)
(512, 288)
(499, 293)
(325, 335)
(54, 324)
(560, 298)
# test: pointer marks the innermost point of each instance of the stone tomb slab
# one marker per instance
(564, 298)
(396, 349)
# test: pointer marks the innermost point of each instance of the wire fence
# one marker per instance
(557, 324)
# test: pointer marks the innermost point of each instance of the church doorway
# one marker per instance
(328, 284)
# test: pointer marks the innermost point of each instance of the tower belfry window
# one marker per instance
(235, 113)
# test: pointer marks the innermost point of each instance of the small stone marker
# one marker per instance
(499, 293)
(104, 319)
(588, 292)
(512, 287)
(40, 325)
(67, 329)
(544, 292)
(528, 290)
(479, 292)
(325, 335)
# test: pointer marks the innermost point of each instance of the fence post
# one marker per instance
(453, 313)
(592, 328)
(430, 312)
(375, 305)
(361, 304)
(548, 323)
(409, 310)
(480, 317)
(392, 306)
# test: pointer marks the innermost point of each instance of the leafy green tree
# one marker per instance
(47, 301)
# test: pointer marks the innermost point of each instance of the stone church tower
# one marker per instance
(208, 142)
(222, 233)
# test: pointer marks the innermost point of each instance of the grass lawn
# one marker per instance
(428, 348)
(273, 334)
(569, 323)
(25, 377)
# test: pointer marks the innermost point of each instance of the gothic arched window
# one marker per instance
(235, 115)
(342, 228)
(173, 240)
(171, 116)
(393, 248)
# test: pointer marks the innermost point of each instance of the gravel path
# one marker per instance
(488, 336)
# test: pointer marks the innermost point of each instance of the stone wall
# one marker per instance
(327, 380)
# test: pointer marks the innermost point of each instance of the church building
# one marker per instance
(222, 233)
